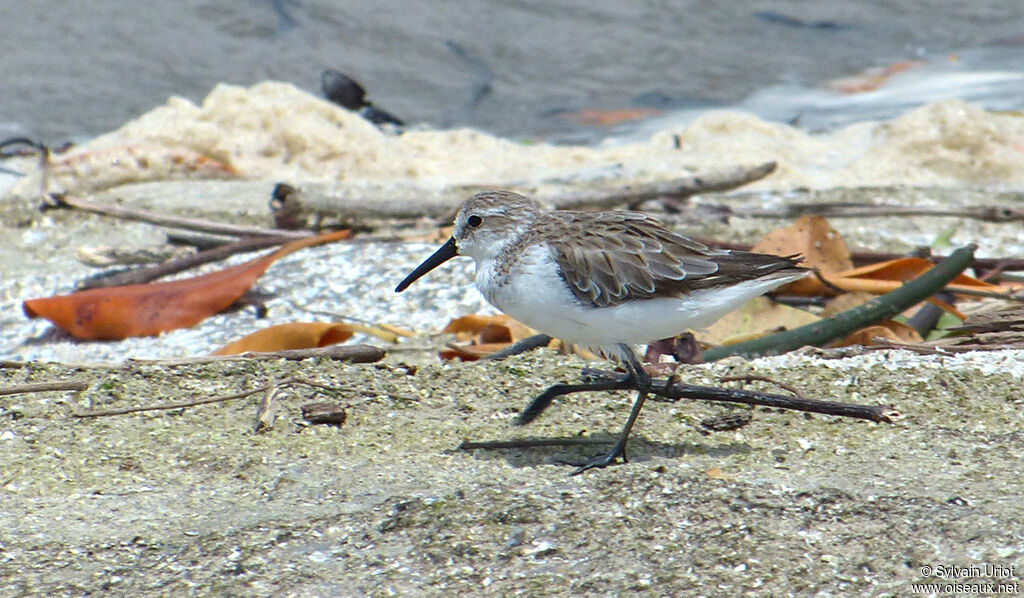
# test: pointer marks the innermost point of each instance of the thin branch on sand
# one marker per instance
(43, 387)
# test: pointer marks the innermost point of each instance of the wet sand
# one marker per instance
(77, 70)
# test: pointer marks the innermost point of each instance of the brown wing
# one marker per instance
(611, 257)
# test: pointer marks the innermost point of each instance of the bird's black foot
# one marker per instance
(602, 461)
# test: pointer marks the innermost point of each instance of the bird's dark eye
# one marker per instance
(474, 221)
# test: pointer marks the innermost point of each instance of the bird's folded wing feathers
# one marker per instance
(611, 260)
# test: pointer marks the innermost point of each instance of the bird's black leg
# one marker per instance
(638, 379)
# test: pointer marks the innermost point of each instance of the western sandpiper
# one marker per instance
(605, 280)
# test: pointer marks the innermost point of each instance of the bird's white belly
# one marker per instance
(537, 295)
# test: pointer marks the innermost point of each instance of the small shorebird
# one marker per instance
(605, 280)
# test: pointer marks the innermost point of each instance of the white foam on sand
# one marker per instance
(276, 131)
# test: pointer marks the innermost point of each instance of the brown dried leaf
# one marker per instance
(820, 245)
(469, 327)
(293, 335)
(889, 329)
(148, 309)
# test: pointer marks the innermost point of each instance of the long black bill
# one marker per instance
(442, 255)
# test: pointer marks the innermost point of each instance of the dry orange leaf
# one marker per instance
(885, 277)
(824, 249)
(889, 329)
(486, 334)
(293, 335)
(397, 331)
(467, 328)
(908, 268)
(471, 352)
(820, 245)
(149, 309)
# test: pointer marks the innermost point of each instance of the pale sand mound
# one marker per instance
(275, 131)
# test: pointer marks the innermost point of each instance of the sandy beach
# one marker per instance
(193, 501)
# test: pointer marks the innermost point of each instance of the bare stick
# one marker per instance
(168, 406)
(203, 241)
(379, 203)
(672, 390)
(868, 210)
(864, 257)
(272, 386)
(677, 391)
(63, 201)
(353, 353)
(722, 180)
(43, 387)
(752, 378)
(929, 349)
(149, 274)
(383, 203)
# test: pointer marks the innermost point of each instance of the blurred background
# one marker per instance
(556, 70)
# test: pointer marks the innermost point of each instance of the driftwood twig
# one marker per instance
(353, 353)
(523, 346)
(43, 387)
(864, 257)
(672, 390)
(270, 389)
(151, 273)
(57, 201)
(669, 389)
(403, 204)
(752, 378)
(169, 406)
(633, 195)
(869, 210)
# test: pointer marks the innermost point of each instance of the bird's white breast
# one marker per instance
(533, 292)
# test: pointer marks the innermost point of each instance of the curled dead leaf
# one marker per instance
(293, 335)
(148, 309)
(470, 326)
(481, 335)
(821, 247)
(890, 329)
